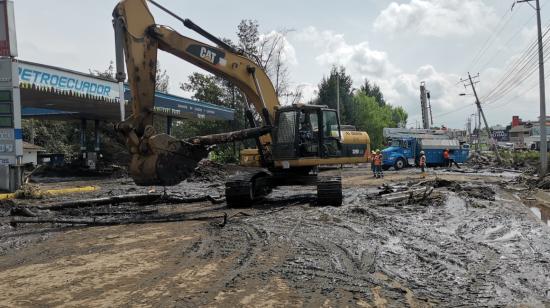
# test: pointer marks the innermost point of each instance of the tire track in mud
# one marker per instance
(327, 264)
(254, 240)
(449, 254)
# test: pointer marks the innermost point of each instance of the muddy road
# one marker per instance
(475, 241)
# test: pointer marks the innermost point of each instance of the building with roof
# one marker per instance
(30, 153)
(519, 135)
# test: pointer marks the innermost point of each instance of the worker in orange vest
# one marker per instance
(378, 165)
(372, 157)
(446, 160)
(422, 162)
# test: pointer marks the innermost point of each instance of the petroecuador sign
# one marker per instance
(44, 76)
(41, 75)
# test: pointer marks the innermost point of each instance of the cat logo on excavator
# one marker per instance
(208, 55)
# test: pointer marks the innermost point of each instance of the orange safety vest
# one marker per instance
(446, 154)
(422, 160)
(378, 160)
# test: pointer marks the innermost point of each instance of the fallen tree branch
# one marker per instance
(93, 221)
(147, 199)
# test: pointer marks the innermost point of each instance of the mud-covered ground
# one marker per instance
(480, 239)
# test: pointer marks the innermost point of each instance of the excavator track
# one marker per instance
(243, 189)
(329, 191)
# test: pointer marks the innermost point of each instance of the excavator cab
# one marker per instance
(306, 131)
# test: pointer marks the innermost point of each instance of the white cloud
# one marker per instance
(288, 52)
(404, 90)
(437, 18)
(309, 91)
(400, 88)
(358, 58)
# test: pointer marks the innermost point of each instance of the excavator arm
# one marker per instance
(159, 158)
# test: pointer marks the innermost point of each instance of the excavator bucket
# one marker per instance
(165, 160)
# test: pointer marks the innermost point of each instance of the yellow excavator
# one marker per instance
(291, 140)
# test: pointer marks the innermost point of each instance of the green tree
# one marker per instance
(205, 88)
(372, 118)
(248, 34)
(366, 109)
(373, 90)
(215, 90)
(327, 93)
(54, 136)
(162, 80)
(399, 117)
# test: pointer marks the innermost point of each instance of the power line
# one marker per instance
(512, 84)
(518, 79)
(514, 35)
(493, 56)
(515, 70)
(500, 26)
(514, 67)
(510, 100)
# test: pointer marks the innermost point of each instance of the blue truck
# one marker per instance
(405, 152)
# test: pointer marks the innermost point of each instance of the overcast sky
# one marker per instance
(396, 44)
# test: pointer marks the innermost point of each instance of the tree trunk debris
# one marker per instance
(140, 199)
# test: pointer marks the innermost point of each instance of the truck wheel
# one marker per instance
(399, 164)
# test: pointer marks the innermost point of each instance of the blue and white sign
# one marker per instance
(45, 76)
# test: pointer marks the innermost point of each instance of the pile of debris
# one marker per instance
(431, 193)
(420, 193)
(488, 159)
(209, 171)
(533, 182)
(509, 160)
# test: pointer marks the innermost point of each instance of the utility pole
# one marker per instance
(480, 110)
(478, 147)
(338, 95)
(542, 116)
(424, 106)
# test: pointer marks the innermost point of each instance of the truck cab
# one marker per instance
(400, 153)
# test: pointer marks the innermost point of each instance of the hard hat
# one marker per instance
(377, 151)
(421, 152)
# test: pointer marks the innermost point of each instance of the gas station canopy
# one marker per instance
(57, 93)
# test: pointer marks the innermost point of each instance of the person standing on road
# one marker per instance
(446, 160)
(378, 165)
(372, 158)
(422, 162)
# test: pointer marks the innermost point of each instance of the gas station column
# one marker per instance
(11, 135)
(83, 141)
(169, 121)
(97, 136)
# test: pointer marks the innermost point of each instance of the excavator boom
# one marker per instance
(159, 158)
